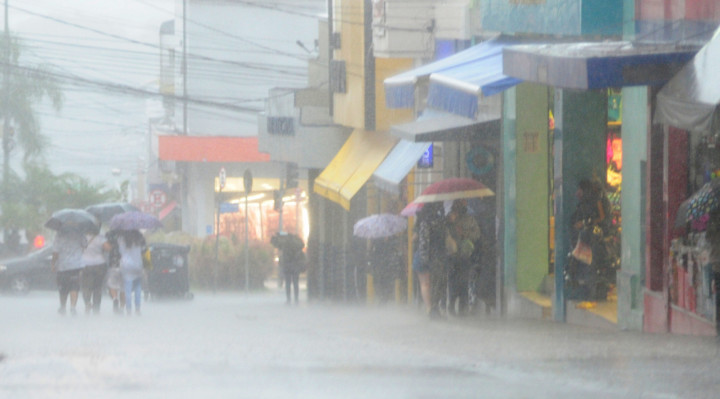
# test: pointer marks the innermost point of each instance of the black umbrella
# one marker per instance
(105, 211)
(78, 220)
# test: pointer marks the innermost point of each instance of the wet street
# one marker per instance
(254, 346)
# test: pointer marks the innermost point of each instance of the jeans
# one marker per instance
(292, 278)
(133, 285)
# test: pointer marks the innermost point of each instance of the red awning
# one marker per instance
(210, 149)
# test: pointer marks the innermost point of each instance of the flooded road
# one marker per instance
(254, 346)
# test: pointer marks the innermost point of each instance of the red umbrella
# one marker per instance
(452, 189)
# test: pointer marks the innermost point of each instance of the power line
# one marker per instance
(150, 45)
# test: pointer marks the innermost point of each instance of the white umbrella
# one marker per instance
(380, 225)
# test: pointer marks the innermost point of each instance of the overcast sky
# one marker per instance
(96, 131)
(103, 42)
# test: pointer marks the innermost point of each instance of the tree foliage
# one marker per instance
(31, 199)
(26, 86)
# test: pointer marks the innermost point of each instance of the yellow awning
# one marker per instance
(353, 165)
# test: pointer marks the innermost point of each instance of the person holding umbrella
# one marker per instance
(104, 212)
(292, 261)
(70, 242)
(131, 245)
(67, 261)
(385, 255)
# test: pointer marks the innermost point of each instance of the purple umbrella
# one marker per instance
(134, 220)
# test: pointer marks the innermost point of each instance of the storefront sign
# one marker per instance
(227, 207)
(426, 160)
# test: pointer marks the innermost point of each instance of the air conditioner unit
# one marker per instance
(403, 28)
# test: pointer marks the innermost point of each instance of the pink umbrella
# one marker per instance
(411, 209)
(452, 189)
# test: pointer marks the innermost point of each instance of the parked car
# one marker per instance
(32, 271)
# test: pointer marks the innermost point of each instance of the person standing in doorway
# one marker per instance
(67, 262)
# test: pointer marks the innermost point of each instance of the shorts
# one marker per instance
(69, 279)
(418, 265)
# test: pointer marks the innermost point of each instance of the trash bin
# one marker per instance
(169, 274)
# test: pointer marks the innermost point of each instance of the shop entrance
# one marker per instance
(590, 185)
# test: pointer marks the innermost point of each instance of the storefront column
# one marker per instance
(532, 187)
(635, 132)
(509, 145)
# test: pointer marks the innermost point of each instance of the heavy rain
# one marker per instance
(359, 198)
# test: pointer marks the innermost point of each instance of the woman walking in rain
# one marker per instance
(131, 245)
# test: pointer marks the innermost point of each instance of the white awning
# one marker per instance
(398, 164)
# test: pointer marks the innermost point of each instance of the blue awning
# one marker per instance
(596, 65)
(469, 73)
(458, 90)
(398, 164)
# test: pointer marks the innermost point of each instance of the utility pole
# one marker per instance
(184, 67)
(6, 139)
(6, 92)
